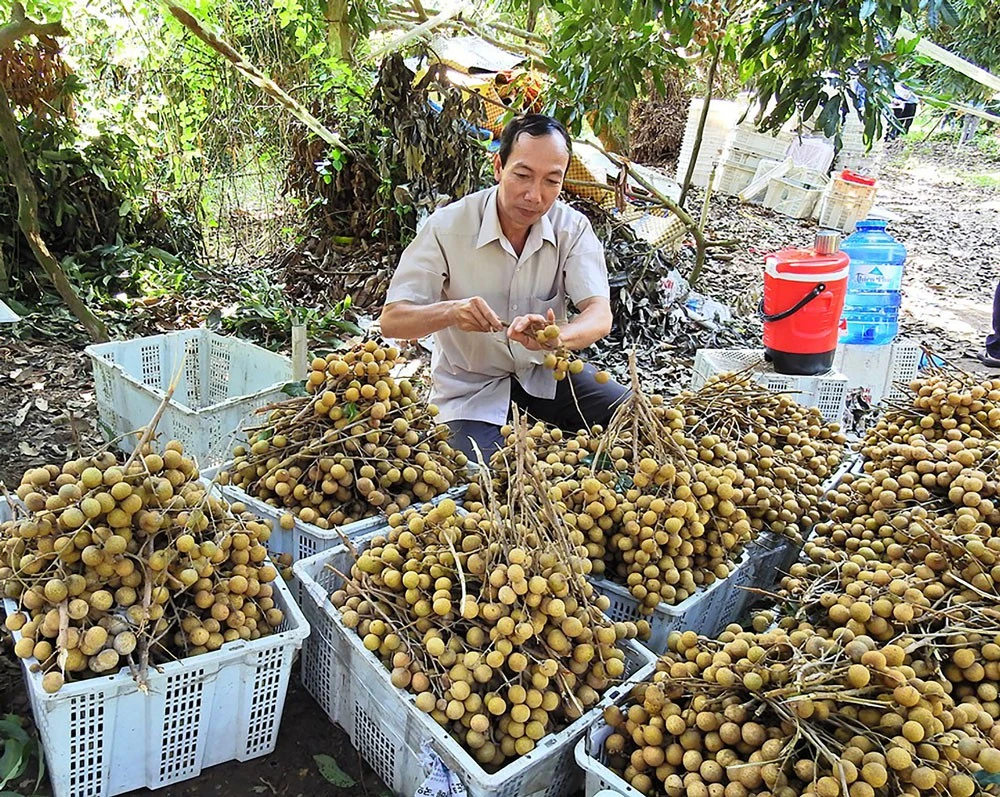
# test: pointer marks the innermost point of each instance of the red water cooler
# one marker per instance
(804, 293)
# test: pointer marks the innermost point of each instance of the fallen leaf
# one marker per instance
(15, 373)
(27, 450)
(332, 773)
(42, 404)
(22, 413)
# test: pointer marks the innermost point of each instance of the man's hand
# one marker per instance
(475, 315)
(523, 328)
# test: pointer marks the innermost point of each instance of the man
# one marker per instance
(991, 356)
(904, 108)
(487, 272)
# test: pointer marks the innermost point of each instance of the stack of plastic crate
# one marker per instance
(747, 150)
(719, 126)
(853, 154)
(848, 199)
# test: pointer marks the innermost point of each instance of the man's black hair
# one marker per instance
(532, 124)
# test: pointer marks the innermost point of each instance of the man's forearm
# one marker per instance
(592, 324)
(408, 321)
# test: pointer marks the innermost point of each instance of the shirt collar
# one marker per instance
(489, 229)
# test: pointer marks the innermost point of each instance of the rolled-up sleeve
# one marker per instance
(422, 270)
(585, 270)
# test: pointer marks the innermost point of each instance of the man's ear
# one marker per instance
(497, 166)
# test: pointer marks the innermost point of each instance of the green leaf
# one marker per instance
(329, 769)
(351, 411)
(10, 726)
(13, 762)
(295, 389)
(125, 208)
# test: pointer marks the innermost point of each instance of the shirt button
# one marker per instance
(513, 307)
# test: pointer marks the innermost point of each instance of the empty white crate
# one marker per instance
(879, 372)
(102, 736)
(791, 197)
(826, 392)
(352, 686)
(223, 381)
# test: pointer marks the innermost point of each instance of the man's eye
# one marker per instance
(553, 182)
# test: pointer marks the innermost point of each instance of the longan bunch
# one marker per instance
(785, 450)
(129, 563)
(363, 443)
(709, 21)
(788, 713)
(502, 641)
(561, 362)
(946, 404)
(665, 533)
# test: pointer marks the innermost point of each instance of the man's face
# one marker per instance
(531, 180)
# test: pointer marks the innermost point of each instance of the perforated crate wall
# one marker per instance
(791, 199)
(700, 612)
(103, 736)
(731, 178)
(387, 728)
(905, 365)
(221, 382)
(592, 758)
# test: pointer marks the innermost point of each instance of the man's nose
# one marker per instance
(534, 192)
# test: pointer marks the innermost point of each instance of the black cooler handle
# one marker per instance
(820, 287)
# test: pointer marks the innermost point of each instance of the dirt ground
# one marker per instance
(948, 208)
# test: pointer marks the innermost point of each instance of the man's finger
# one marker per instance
(491, 318)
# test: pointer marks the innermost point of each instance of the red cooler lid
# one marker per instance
(807, 265)
(853, 177)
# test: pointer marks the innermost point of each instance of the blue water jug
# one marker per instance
(871, 308)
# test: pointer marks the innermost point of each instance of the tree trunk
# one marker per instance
(27, 220)
(339, 36)
(701, 124)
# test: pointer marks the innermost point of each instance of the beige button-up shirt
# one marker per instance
(461, 252)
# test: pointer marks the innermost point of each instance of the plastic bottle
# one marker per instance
(871, 308)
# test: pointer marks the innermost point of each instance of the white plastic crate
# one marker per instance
(592, 758)
(103, 736)
(384, 724)
(826, 392)
(880, 372)
(763, 144)
(791, 198)
(223, 381)
(708, 611)
(857, 161)
(731, 178)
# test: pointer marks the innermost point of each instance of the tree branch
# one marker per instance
(255, 76)
(27, 220)
(20, 26)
